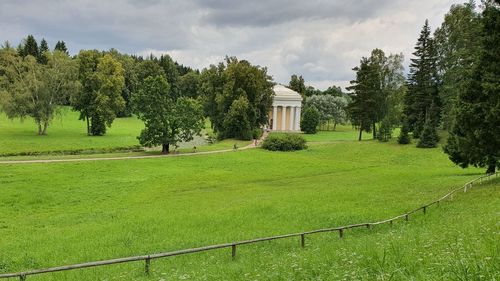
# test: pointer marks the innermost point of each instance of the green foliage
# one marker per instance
(284, 142)
(385, 131)
(29, 47)
(102, 79)
(330, 108)
(61, 46)
(297, 84)
(458, 44)
(310, 120)
(475, 135)
(36, 90)
(189, 85)
(429, 137)
(237, 97)
(422, 83)
(167, 120)
(42, 52)
(404, 137)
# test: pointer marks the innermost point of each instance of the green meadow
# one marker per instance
(63, 213)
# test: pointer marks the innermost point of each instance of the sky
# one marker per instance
(322, 40)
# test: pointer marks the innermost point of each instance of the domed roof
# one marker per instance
(283, 93)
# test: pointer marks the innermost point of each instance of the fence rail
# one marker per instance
(147, 258)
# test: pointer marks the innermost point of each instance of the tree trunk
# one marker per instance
(39, 128)
(334, 126)
(491, 169)
(360, 132)
(165, 148)
(45, 125)
(88, 126)
(374, 131)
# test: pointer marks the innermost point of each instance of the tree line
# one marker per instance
(453, 84)
(173, 100)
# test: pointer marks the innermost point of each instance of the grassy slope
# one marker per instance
(68, 213)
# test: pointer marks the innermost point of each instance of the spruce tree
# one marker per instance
(30, 47)
(42, 52)
(422, 83)
(429, 137)
(404, 137)
(475, 135)
(61, 46)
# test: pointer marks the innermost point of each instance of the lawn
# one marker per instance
(63, 213)
(341, 133)
(67, 133)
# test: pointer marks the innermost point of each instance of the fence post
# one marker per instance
(233, 251)
(390, 222)
(406, 217)
(22, 277)
(425, 210)
(147, 264)
(341, 233)
(368, 226)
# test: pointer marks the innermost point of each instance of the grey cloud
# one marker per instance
(264, 13)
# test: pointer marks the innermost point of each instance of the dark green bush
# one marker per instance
(310, 120)
(257, 133)
(284, 142)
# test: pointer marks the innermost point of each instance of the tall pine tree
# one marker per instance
(475, 135)
(422, 84)
(363, 106)
(42, 52)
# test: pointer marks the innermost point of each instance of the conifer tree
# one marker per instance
(61, 46)
(29, 47)
(422, 84)
(404, 137)
(475, 135)
(42, 52)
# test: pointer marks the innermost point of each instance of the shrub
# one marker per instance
(257, 133)
(385, 131)
(404, 137)
(310, 120)
(284, 142)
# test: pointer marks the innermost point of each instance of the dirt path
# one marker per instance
(252, 145)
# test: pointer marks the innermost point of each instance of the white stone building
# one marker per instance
(285, 114)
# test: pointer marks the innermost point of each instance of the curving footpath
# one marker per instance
(252, 145)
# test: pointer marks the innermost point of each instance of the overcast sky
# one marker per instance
(319, 39)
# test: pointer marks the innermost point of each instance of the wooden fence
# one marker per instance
(341, 229)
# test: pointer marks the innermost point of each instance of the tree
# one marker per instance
(475, 136)
(297, 84)
(363, 107)
(61, 46)
(189, 85)
(28, 46)
(224, 84)
(309, 120)
(458, 45)
(422, 83)
(167, 120)
(330, 108)
(35, 90)
(429, 137)
(100, 100)
(42, 52)
(404, 137)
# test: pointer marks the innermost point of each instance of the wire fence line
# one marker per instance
(340, 229)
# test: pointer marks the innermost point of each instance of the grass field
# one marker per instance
(68, 133)
(54, 214)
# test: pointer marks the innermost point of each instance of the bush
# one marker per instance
(284, 142)
(385, 131)
(310, 120)
(257, 133)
